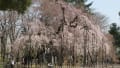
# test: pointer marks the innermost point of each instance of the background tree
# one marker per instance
(16, 5)
(101, 20)
(115, 32)
(81, 4)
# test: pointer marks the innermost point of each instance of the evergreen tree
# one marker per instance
(17, 5)
(115, 31)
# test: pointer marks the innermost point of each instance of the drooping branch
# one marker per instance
(63, 21)
(72, 24)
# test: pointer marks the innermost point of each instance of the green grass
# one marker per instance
(1, 65)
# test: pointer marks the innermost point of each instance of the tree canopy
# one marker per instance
(17, 5)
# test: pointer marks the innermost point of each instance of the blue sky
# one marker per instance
(109, 8)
